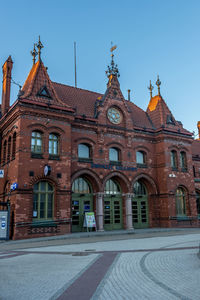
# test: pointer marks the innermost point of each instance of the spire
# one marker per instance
(112, 69)
(158, 83)
(39, 46)
(150, 87)
(34, 54)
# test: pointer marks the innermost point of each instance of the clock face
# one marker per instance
(114, 115)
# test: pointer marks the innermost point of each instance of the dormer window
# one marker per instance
(170, 120)
(43, 92)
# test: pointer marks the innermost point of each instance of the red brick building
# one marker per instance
(72, 151)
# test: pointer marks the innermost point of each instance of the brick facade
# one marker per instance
(77, 117)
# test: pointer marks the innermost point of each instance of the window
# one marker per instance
(43, 201)
(53, 144)
(173, 159)
(180, 202)
(4, 151)
(140, 157)
(81, 186)
(36, 142)
(198, 202)
(84, 151)
(112, 187)
(9, 148)
(113, 154)
(183, 161)
(14, 145)
(139, 189)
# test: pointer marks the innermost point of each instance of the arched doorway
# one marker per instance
(112, 206)
(140, 205)
(82, 201)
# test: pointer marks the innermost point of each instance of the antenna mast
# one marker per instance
(75, 63)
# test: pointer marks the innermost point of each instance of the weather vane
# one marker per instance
(112, 69)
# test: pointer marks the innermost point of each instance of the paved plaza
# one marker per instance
(162, 266)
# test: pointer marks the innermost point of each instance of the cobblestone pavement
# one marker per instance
(161, 267)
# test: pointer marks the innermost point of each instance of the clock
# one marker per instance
(114, 115)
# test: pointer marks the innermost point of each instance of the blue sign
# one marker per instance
(3, 222)
(14, 186)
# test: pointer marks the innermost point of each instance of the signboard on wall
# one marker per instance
(3, 224)
(1, 173)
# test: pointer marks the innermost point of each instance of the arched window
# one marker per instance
(174, 164)
(9, 149)
(36, 142)
(198, 202)
(114, 155)
(4, 152)
(14, 145)
(140, 157)
(53, 144)
(112, 187)
(180, 202)
(183, 161)
(43, 194)
(81, 186)
(139, 189)
(84, 151)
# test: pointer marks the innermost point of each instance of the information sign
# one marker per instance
(1, 173)
(89, 220)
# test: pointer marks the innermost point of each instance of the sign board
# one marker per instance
(14, 186)
(4, 224)
(89, 220)
(1, 173)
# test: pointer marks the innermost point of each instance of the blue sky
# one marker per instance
(152, 37)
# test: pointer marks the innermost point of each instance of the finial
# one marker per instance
(150, 87)
(112, 69)
(158, 83)
(39, 46)
(34, 54)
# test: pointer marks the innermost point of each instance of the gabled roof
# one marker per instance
(38, 86)
(162, 117)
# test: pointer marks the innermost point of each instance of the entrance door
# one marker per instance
(82, 201)
(140, 206)
(80, 205)
(112, 212)
(112, 206)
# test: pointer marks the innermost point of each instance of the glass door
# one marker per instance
(113, 212)
(80, 205)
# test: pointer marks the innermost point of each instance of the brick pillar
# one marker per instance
(99, 211)
(129, 219)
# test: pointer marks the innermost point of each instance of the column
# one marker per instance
(129, 219)
(99, 211)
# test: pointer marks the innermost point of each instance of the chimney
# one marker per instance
(129, 95)
(7, 68)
